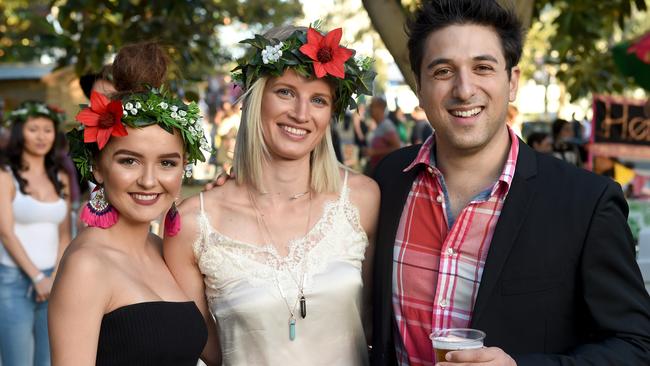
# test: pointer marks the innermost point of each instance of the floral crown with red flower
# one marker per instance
(105, 118)
(312, 54)
(35, 109)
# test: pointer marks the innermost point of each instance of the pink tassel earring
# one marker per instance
(98, 212)
(172, 221)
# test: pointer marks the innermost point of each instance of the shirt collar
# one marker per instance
(426, 157)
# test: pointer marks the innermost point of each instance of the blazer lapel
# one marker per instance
(512, 216)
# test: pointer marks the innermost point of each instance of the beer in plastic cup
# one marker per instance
(454, 339)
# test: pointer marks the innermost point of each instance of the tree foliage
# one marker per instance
(571, 38)
(86, 32)
(578, 47)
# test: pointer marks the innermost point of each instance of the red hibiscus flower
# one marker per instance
(102, 119)
(642, 48)
(328, 56)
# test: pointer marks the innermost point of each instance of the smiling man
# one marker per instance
(479, 231)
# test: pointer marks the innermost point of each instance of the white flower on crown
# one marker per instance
(124, 113)
(163, 105)
(182, 113)
(271, 54)
(128, 106)
(204, 144)
(188, 170)
(138, 105)
(174, 115)
(173, 108)
(134, 111)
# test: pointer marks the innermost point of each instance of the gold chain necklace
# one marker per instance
(261, 223)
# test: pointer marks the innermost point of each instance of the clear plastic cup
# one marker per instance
(455, 339)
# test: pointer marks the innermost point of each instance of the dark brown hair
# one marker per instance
(16, 147)
(138, 66)
(434, 15)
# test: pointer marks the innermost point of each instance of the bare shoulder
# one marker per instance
(64, 177)
(222, 193)
(364, 195)
(190, 205)
(222, 199)
(189, 211)
(6, 180)
(86, 268)
(84, 258)
(85, 281)
(5, 172)
(363, 189)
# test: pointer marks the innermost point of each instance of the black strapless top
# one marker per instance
(152, 333)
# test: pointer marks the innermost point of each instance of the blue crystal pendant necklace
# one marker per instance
(292, 309)
(300, 298)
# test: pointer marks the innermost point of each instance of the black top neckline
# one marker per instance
(152, 302)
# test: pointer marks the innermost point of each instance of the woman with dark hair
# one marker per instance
(34, 231)
(115, 302)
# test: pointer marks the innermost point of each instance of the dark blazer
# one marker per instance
(561, 285)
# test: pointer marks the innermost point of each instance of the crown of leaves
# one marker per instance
(311, 54)
(35, 109)
(104, 119)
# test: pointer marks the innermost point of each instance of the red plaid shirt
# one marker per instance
(437, 269)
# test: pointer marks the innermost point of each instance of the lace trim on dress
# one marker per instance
(337, 234)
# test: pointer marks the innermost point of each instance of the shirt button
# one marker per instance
(439, 198)
(443, 303)
(450, 251)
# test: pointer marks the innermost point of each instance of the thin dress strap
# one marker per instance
(199, 244)
(344, 189)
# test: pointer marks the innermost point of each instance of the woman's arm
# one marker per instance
(79, 299)
(364, 194)
(65, 229)
(179, 256)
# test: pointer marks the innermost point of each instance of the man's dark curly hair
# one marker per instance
(434, 15)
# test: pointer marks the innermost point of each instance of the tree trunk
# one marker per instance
(388, 17)
(523, 9)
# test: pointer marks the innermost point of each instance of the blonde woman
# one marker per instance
(279, 255)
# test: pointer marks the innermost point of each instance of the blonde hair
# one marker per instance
(251, 151)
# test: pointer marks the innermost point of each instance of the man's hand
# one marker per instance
(219, 181)
(490, 356)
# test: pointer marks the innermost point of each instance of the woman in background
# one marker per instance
(34, 231)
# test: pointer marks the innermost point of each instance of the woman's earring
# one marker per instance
(98, 212)
(172, 221)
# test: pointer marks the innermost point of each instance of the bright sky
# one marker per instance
(316, 12)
